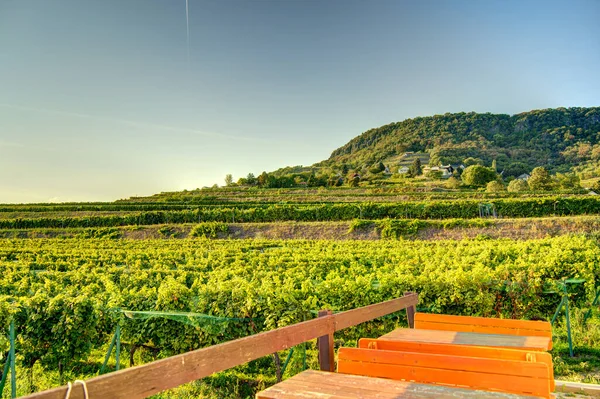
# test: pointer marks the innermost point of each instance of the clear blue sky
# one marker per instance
(99, 101)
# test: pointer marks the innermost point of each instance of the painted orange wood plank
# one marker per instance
(466, 338)
(447, 362)
(428, 325)
(462, 350)
(501, 383)
(313, 384)
(484, 321)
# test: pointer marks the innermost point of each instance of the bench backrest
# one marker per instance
(463, 350)
(429, 321)
(511, 376)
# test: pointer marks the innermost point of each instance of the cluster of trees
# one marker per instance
(539, 180)
(559, 138)
(271, 180)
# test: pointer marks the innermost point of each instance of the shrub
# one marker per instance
(495, 187)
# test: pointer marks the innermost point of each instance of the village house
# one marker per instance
(446, 170)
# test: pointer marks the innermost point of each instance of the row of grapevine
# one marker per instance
(528, 207)
(250, 199)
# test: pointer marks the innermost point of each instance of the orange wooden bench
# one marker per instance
(491, 374)
(428, 321)
(462, 350)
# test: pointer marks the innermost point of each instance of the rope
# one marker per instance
(70, 387)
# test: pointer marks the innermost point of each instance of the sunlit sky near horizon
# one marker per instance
(99, 100)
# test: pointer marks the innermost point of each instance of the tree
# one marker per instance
(516, 169)
(494, 187)
(262, 178)
(434, 174)
(377, 168)
(355, 180)
(518, 185)
(540, 179)
(472, 161)
(250, 179)
(415, 168)
(228, 179)
(477, 175)
(344, 170)
(494, 166)
(567, 181)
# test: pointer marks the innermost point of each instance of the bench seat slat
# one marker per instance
(484, 321)
(430, 321)
(467, 338)
(321, 384)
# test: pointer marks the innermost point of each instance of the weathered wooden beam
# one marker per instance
(410, 311)
(356, 316)
(152, 378)
(325, 345)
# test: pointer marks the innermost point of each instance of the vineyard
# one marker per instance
(245, 213)
(67, 294)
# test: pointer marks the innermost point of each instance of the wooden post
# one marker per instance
(325, 345)
(410, 312)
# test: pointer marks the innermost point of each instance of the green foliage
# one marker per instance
(567, 181)
(56, 328)
(210, 230)
(453, 183)
(360, 224)
(518, 185)
(228, 179)
(434, 174)
(472, 161)
(415, 168)
(516, 169)
(477, 175)
(540, 179)
(494, 187)
(393, 228)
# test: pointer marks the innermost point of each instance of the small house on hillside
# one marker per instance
(403, 170)
(446, 170)
(524, 176)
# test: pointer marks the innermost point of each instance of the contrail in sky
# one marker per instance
(142, 125)
(187, 25)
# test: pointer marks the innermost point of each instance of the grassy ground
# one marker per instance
(584, 366)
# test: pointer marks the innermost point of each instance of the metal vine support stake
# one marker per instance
(565, 301)
(116, 341)
(10, 363)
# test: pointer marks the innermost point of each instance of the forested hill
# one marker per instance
(557, 138)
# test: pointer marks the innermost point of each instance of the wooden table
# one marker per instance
(325, 385)
(467, 338)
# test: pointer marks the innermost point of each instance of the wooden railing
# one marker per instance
(152, 378)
